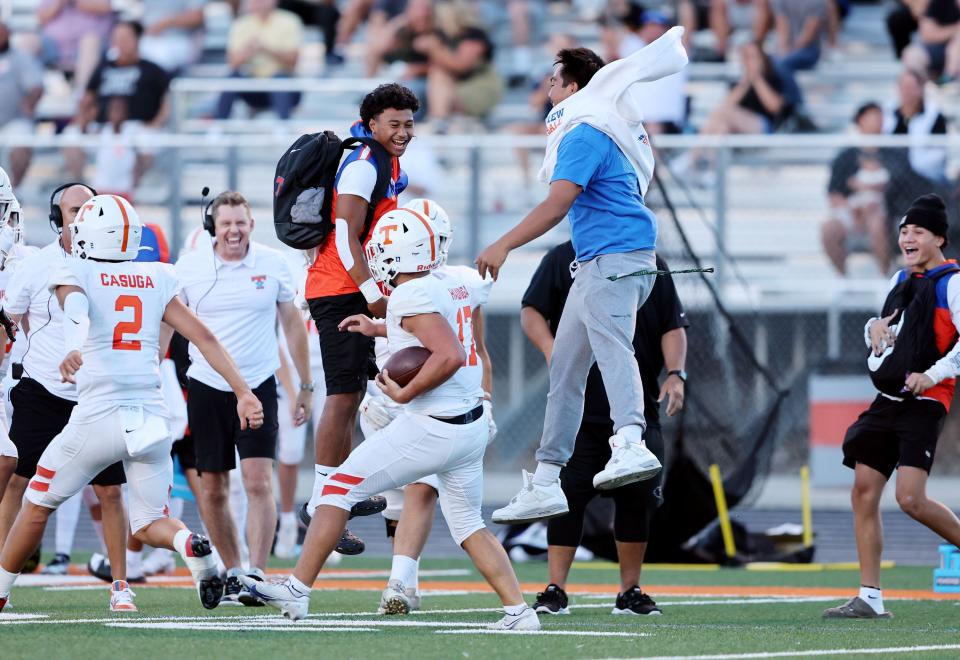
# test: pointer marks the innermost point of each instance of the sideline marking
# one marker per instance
(809, 652)
(557, 633)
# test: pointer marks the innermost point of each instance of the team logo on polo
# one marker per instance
(259, 280)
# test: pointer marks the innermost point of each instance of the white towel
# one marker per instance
(608, 104)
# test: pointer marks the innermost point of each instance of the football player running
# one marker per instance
(441, 430)
(12, 250)
(410, 511)
(114, 311)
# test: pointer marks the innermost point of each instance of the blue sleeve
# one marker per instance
(578, 158)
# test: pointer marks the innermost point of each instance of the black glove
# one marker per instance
(8, 325)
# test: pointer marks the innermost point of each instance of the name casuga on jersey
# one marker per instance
(121, 357)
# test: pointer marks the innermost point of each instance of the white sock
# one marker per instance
(133, 562)
(872, 597)
(631, 433)
(320, 474)
(547, 474)
(180, 541)
(98, 528)
(288, 519)
(298, 585)
(405, 570)
(67, 514)
(6, 581)
(514, 610)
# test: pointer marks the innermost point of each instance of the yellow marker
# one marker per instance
(722, 514)
(805, 510)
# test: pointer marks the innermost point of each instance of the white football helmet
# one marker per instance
(441, 221)
(7, 198)
(106, 228)
(402, 241)
(13, 222)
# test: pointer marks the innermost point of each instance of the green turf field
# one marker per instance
(342, 625)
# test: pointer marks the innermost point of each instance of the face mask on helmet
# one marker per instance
(438, 216)
(402, 241)
(107, 228)
(7, 198)
(11, 223)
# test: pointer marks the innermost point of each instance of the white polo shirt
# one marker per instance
(238, 301)
(27, 293)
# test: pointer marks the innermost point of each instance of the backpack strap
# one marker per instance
(384, 165)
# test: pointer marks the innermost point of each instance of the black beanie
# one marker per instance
(929, 212)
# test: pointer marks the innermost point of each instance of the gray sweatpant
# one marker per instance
(598, 324)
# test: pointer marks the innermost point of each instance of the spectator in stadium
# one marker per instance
(21, 85)
(754, 105)
(264, 43)
(116, 162)
(325, 14)
(122, 74)
(399, 47)
(339, 282)
(377, 13)
(659, 341)
(902, 23)
(723, 18)
(801, 27)
(74, 34)
(461, 78)
(938, 51)
(664, 101)
(918, 116)
(42, 402)
(240, 291)
(860, 182)
(173, 30)
(900, 433)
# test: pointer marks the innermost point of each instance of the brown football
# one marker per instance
(405, 364)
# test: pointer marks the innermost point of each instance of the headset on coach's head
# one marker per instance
(56, 215)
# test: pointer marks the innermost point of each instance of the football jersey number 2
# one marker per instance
(127, 327)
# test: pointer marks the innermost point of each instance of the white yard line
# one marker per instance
(811, 652)
(558, 633)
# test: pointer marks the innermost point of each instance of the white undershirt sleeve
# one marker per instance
(949, 365)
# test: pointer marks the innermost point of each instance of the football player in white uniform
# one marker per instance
(112, 337)
(12, 250)
(441, 430)
(412, 509)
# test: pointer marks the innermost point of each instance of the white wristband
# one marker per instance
(370, 290)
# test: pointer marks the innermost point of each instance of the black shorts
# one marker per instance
(215, 427)
(891, 433)
(38, 417)
(348, 357)
(185, 452)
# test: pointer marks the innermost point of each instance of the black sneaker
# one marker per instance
(59, 565)
(99, 567)
(552, 600)
(635, 601)
(231, 592)
(368, 507)
(350, 544)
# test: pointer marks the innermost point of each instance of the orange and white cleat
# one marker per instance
(121, 598)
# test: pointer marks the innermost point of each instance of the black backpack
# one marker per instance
(915, 350)
(304, 183)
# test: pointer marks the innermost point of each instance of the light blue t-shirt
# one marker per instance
(609, 216)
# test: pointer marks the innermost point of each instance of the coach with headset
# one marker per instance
(239, 289)
(42, 403)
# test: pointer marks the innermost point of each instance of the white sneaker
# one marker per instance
(532, 503)
(394, 599)
(526, 620)
(286, 547)
(629, 462)
(282, 595)
(159, 562)
(121, 598)
(413, 596)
